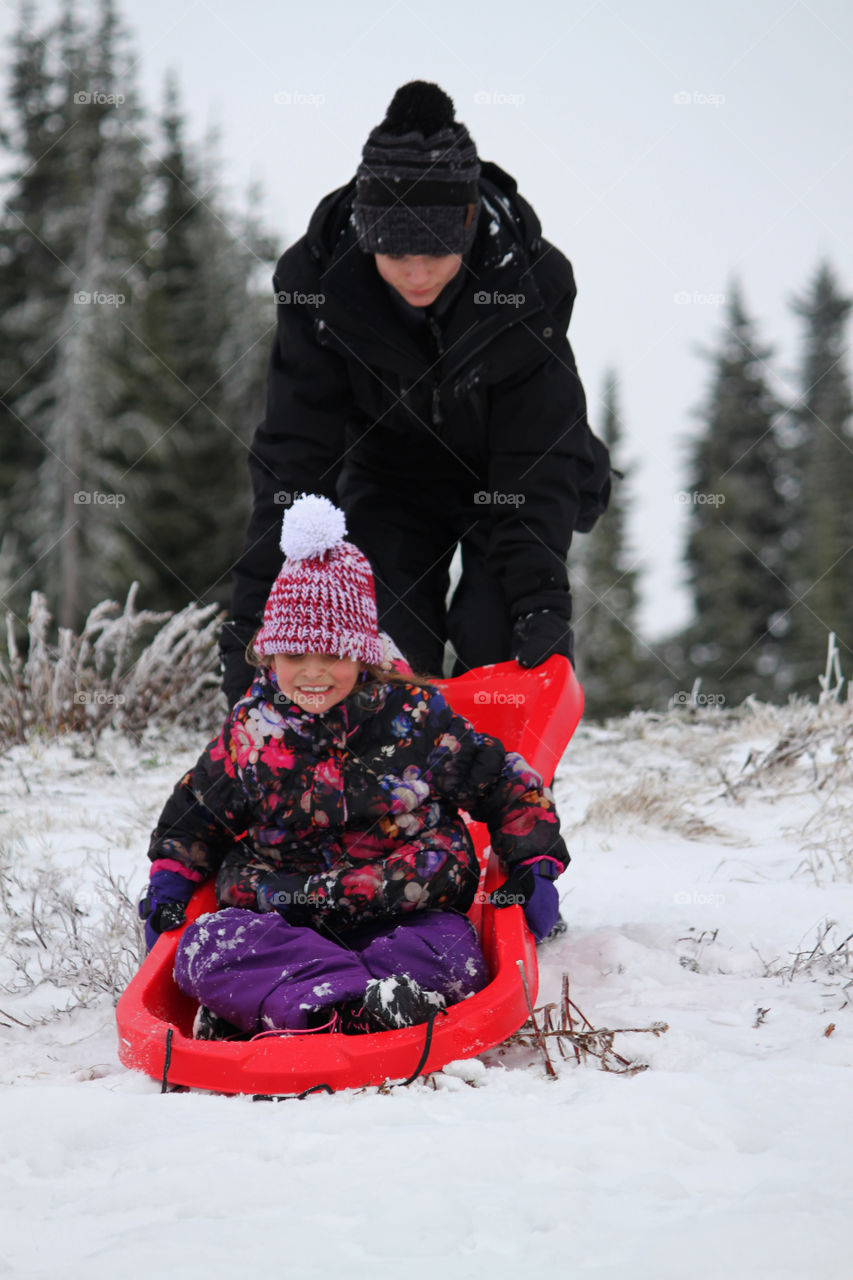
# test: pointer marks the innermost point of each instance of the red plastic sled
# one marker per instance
(533, 712)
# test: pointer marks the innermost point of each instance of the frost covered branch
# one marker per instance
(828, 958)
(114, 673)
(50, 939)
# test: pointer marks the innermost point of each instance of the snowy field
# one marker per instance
(711, 889)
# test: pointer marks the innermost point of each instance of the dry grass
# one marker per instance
(653, 801)
(802, 750)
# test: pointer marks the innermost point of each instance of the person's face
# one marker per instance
(418, 278)
(315, 681)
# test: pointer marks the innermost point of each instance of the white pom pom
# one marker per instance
(312, 526)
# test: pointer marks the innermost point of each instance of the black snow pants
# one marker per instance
(410, 540)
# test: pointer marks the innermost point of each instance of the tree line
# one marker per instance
(769, 530)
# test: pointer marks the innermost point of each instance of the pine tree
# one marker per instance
(737, 514)
(822, 525)
(32, 277)
(74, 334)
(206, 336)
(610, 656)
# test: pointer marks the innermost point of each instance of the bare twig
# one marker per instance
(4, 1014)
(537, 1033)
(593, 1042)
(568, 1024)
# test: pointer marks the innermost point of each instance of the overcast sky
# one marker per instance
(667, 147)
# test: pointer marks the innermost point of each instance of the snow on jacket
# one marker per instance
(377, 781)
(482, 400)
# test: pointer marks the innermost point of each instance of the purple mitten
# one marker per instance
(164, 905)
(542, 908)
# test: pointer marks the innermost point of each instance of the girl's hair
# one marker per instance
(371, 672)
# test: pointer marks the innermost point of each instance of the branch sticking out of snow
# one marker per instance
(558, 1024)
(831, 957)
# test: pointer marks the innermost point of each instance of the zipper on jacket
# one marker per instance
(437, 415)
(438, 350)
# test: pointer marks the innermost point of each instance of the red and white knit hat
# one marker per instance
(323, 600)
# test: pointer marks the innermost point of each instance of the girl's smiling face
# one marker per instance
(315, 681)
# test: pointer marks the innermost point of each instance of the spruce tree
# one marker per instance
(205, 332)
(32, 279)
(610, 655)
(737, 516)
(73, 335)
(822, 553)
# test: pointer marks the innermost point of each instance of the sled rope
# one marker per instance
(164, 1084)
(429, 1026)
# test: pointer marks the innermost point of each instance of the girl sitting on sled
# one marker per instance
(328, 809)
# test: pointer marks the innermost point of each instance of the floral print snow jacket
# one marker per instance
(364, 800)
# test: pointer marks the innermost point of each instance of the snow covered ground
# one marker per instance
(711, 889)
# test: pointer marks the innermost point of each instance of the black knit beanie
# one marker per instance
(417, 190)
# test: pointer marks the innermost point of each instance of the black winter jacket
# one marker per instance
(484, 409)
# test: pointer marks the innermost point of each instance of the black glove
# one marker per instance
(532, 888)
(516, 889)
(537, 636)
(237, 674)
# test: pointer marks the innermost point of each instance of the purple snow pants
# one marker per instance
(261, 973)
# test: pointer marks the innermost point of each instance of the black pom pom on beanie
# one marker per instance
(417, 189)
(419, 107)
